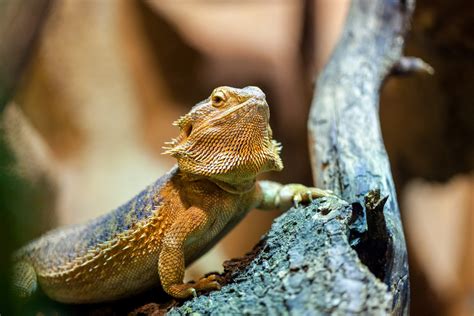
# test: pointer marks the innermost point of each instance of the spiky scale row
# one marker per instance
(135, 241)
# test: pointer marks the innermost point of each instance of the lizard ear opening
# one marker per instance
(188, 130)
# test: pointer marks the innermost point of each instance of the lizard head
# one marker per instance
(227, 136)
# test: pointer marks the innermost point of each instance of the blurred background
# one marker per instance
(89, 90)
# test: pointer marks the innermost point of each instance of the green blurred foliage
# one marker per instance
(18, 200)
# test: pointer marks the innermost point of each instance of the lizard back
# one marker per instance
(67, 254)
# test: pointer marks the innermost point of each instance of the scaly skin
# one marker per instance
(224, 143)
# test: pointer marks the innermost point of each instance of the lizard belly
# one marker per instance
(118, 278)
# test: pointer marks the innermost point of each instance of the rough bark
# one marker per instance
(347, 147)
(305, 265)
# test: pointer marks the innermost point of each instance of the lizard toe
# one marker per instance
(182, 291)
(209, 283)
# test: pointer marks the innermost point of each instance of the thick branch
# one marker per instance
(304, 265)
(348, 153)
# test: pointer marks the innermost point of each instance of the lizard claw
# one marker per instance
(297, 199)
(211, 277)
(317, 193)
(182, 290)
(296, 194)
(206, 284)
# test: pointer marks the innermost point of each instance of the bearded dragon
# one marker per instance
(224, 142)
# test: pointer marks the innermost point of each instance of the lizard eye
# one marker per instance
(218, 99)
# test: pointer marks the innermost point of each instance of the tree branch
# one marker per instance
(348, 154)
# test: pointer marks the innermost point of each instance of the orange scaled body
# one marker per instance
(224, 143)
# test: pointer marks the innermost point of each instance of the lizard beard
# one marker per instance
(219, 152)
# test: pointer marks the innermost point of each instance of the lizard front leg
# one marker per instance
(171, 263)
(273, 195)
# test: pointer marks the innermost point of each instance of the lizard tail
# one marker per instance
(24, 279)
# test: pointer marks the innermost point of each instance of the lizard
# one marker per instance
(224, 143)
